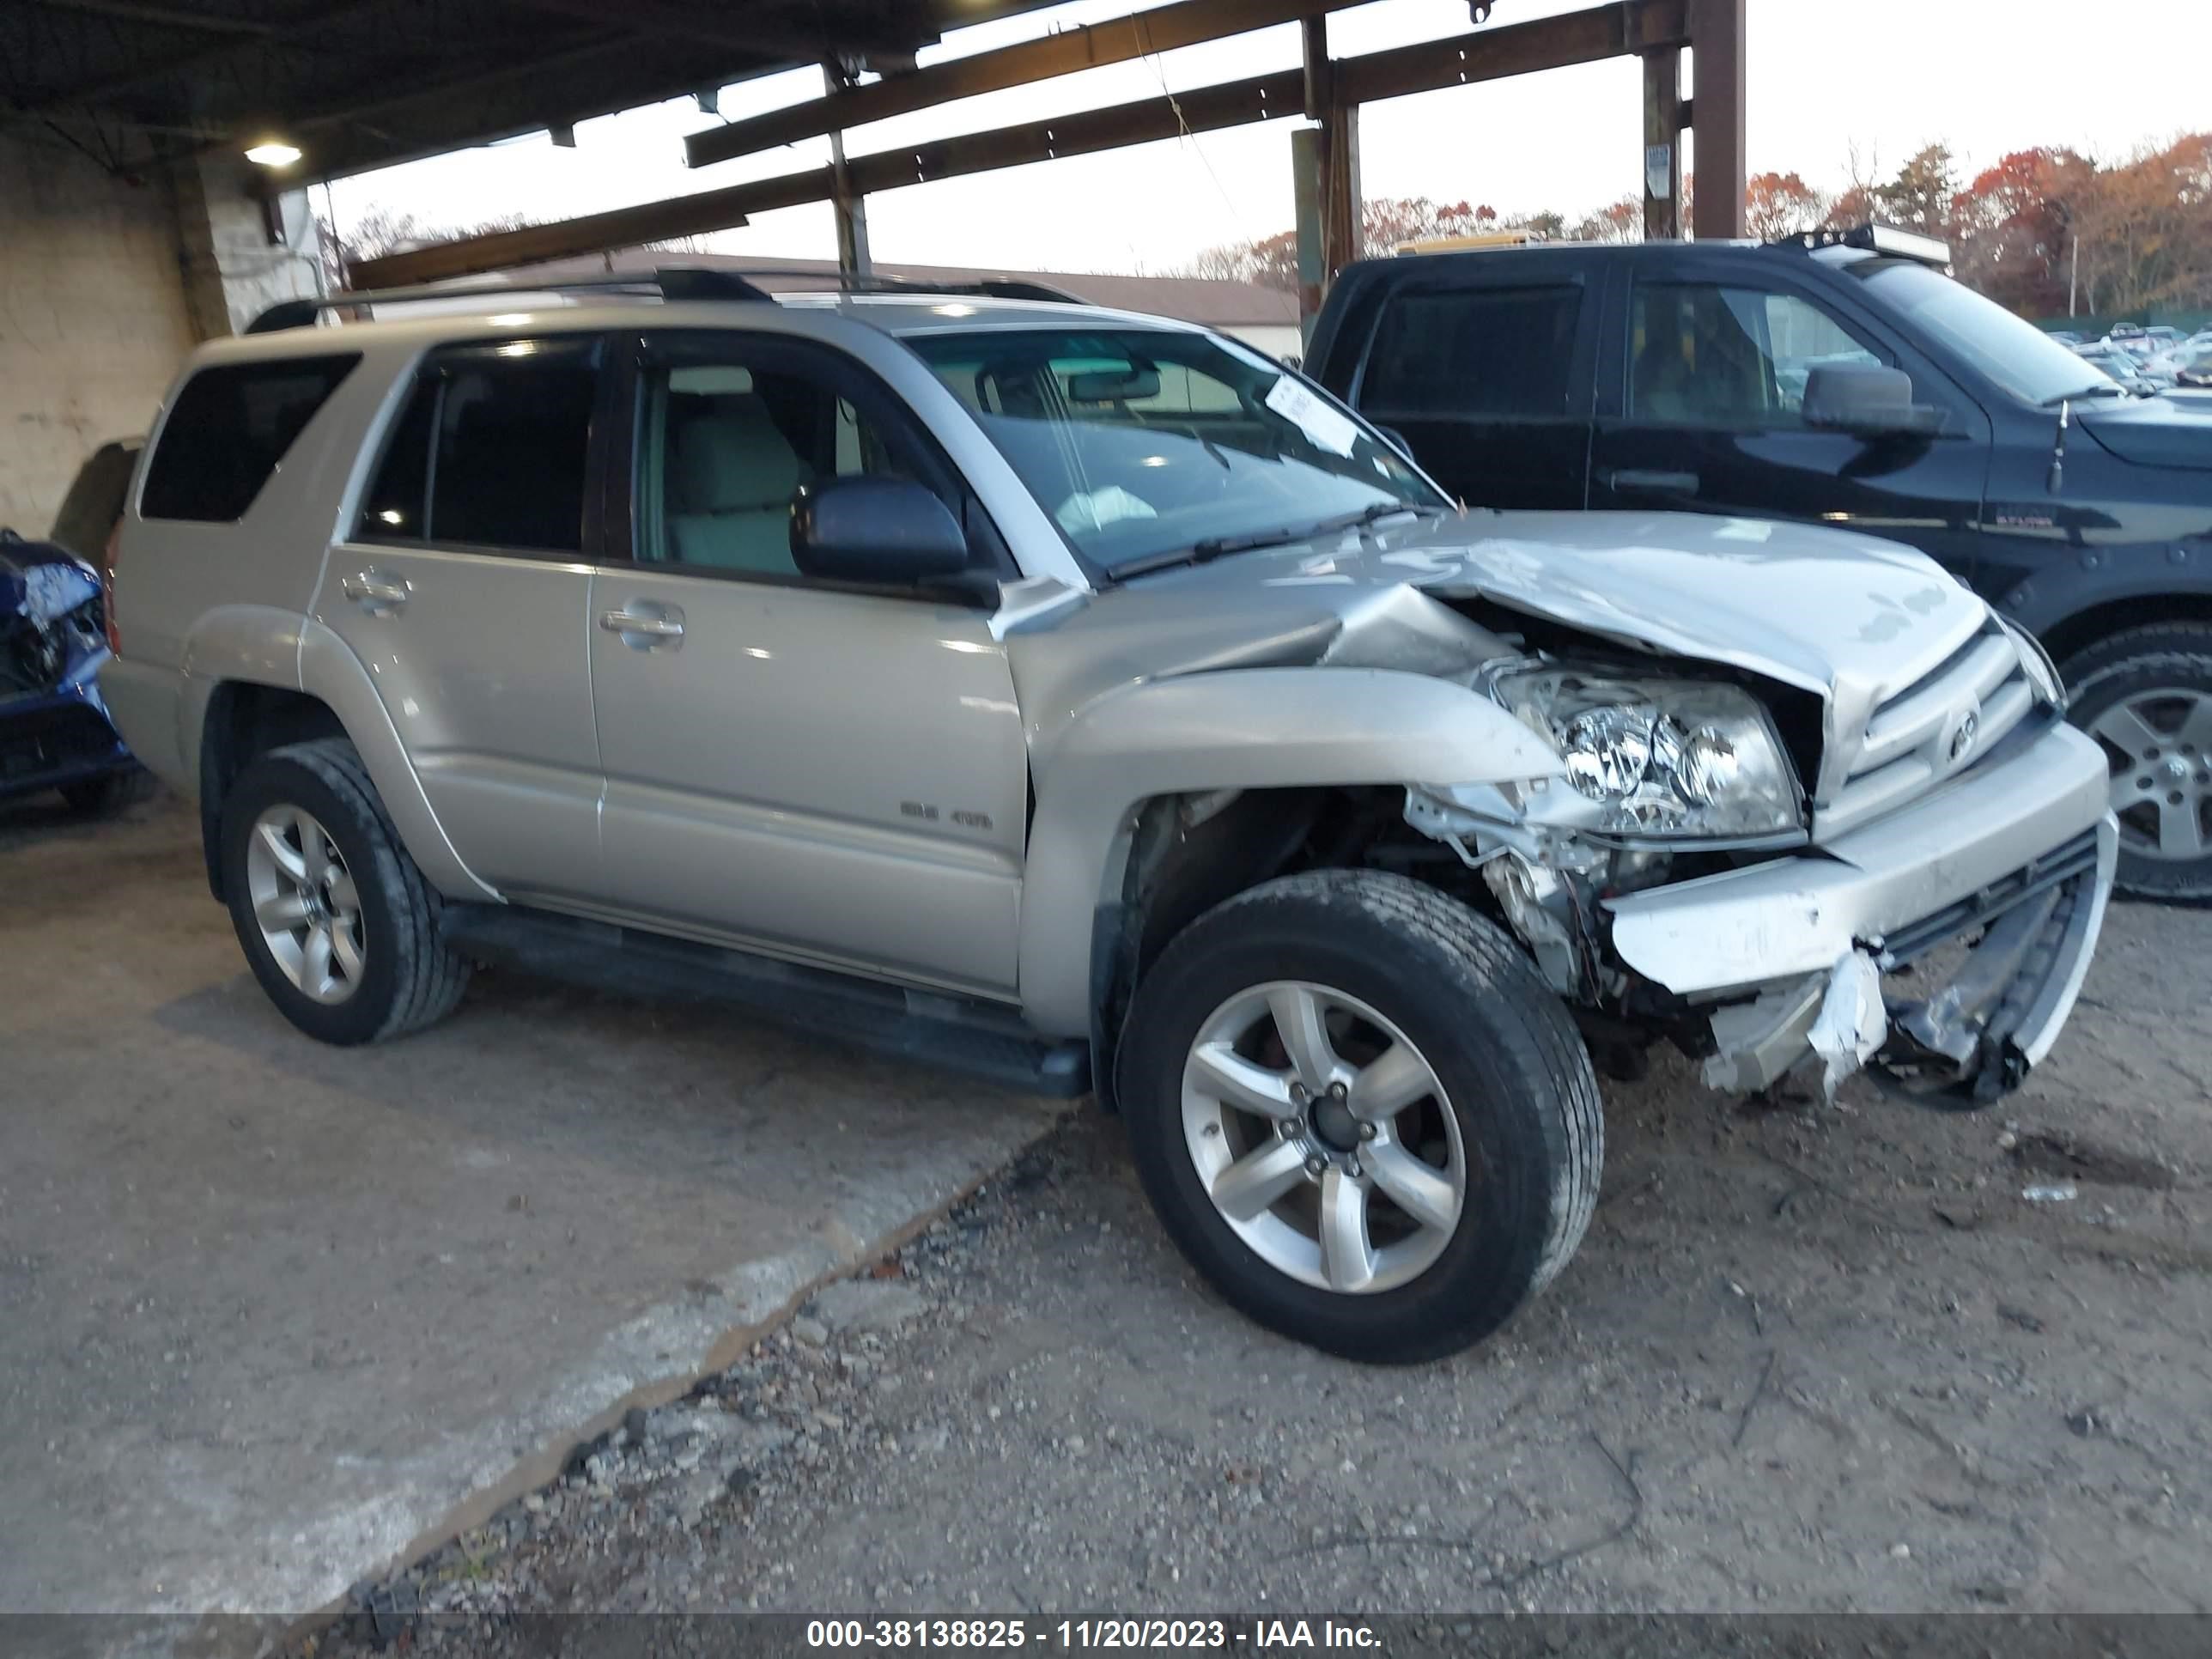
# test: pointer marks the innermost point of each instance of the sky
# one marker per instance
(1828, 79)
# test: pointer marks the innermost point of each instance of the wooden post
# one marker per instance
(850, 207)
(1663, 145)
(1716, 44)
(1336, 160)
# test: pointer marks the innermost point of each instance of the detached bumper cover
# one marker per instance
(2021, 850)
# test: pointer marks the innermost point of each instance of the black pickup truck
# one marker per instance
(1839, 378)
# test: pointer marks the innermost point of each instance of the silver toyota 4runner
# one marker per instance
(1082, 699)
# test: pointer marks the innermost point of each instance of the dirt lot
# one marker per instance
(1808, 1359)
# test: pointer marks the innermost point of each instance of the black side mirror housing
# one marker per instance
(885, 530)
(1868, 401)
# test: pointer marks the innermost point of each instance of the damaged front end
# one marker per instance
(1674, 881)
(54, 728)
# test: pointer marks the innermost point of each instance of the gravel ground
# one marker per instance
(1809, 1360)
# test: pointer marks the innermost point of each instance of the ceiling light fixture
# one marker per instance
(273, 153)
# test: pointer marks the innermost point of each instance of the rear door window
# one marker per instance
(491, 450)
(1482, 351)
(230, 427)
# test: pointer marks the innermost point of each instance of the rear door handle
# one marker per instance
(643, 630)
(376, 593)
(1664, 483)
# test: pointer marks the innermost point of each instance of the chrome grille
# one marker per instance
(1907, 744)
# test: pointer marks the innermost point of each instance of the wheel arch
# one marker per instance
(2071, 632)
(248, 710)
(1129, 774)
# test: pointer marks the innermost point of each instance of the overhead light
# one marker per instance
(273, 153)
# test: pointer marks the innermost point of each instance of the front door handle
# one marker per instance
(1664, 483)
(375, 593)
(645, 630)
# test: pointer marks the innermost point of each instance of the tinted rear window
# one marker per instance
(1473, 351)
(490, 450)
(229, 429)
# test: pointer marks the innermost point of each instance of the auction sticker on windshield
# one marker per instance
(1328, 429)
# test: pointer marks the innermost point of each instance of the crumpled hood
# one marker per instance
(1846, 616)
(1814, 608)
(2162, 431)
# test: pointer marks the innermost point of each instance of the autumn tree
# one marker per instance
(1919, 197)
(1779, 205)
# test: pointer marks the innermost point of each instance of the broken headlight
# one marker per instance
(1660, 757)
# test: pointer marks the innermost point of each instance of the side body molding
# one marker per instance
(1256, 728)
(329, 670)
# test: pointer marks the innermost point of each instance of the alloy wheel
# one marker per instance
(2158, 743)
(305, 903)
(1324, 1137)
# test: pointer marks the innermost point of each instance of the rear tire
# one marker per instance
(1503, 1128)
(2146, 696)
(307, 850)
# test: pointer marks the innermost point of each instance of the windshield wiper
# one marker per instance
(1207, 550)
(2098, 389)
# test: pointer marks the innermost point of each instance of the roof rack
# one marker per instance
(996, 288)
(1874, 238)
(669, 283)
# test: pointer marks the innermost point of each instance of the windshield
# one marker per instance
(2015, 354)
(1143, 443)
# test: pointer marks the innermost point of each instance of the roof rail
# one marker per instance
(669, 283)
(996, 288)
(1875, 237)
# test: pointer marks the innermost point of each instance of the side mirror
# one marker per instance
(875, 530)
(1866, 399)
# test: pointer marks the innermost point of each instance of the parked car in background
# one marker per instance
(1674, 375)
(55, 732)
(1079, 697)
(2195, 369)
(2120, 365)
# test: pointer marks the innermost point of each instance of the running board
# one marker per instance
(937, 1029)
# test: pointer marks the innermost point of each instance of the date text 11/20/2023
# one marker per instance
(1075, 1635)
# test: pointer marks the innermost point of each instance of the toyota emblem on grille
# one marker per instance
(1963, 734)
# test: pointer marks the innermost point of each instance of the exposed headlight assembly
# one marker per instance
(1674, 759)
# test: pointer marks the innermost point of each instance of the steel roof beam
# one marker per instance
(1138, 35)
(1583, 37)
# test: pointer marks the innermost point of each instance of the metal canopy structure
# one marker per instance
(363, 83)
(1322, 97)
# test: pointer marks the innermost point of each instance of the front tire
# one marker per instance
(2146, 696)
(337, 922)
(1361, 1115)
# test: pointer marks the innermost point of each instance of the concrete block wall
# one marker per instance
(93, 321)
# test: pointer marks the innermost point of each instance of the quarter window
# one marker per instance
(229, 428)
(491, 450)
(1702, 354)
(1491, 351)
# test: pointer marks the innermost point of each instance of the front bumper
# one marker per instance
(54, 739)
(1788, 953)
